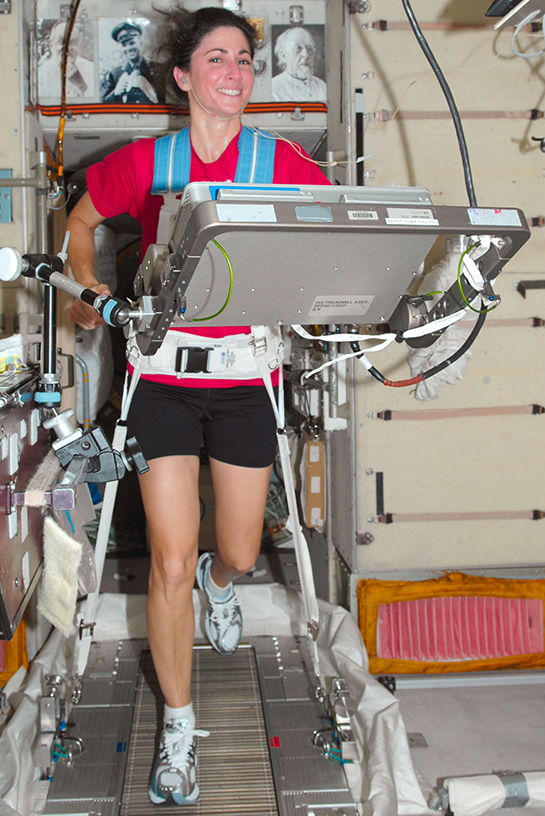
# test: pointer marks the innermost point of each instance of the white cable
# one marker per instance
(342, 357)
(473, 273)
(296, 147)
(63, 254)
(420, 331)
(517, 31)
(436, 325)
(340, 338)
(214, 115)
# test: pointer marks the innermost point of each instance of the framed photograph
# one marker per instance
(299, 70)
(129, 74)
(80, 68)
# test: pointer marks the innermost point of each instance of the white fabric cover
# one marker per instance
(20, 787)
(473, 795)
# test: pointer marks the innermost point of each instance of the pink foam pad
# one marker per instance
(460, 628)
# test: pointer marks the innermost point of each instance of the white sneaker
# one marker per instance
(223, 620)
(173, 778)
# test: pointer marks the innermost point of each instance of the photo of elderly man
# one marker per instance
(80, 67)
(296, 57)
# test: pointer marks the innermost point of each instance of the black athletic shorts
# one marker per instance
(236, 424)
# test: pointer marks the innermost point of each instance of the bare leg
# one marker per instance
(171, 499)
(240, 497)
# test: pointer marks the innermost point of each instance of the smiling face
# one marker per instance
(221, 74)
(132, 46)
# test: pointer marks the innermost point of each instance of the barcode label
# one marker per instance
(362, 215)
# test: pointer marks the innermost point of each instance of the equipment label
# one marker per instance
(362, 215)
(499, 217)
(331, 305)
(261, 213)
(411, 216)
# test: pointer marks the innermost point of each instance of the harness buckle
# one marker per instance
(192, 360)
(259, 345)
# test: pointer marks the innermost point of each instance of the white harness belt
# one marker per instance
(193, 356)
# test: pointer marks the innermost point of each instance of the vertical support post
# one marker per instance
(49, 348)
(48, 392)
(49, 342)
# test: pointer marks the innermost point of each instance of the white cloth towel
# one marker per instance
(59, 584)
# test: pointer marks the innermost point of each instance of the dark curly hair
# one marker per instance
(184, 33)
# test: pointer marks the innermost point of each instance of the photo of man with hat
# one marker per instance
(134, 81)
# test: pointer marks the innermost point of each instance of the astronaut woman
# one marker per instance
(209, 58)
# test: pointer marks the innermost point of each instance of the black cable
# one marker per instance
(462, 350)
(450, 101)
(374, 372)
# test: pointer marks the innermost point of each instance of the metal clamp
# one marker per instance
(313, 629)
(83, 626)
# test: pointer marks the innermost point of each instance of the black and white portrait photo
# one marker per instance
(80, 66)
(128, 73)
(298, 64)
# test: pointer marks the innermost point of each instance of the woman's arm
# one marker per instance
(81, 224)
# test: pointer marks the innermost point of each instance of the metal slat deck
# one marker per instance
(234, 772)
(259, 760)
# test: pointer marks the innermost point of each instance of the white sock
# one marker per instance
(182, 713)
(217, 592)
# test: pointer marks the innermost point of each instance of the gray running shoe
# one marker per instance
(173, 779)
(223, 621)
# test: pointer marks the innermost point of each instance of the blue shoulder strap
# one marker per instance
(255, 157)
(172, 164)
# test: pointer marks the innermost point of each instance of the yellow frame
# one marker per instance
(15, 654)
(372, 592)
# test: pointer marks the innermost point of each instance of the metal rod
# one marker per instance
(49, 333)
(86, 402)
(19, 182)
(471, 679)
(41, 203)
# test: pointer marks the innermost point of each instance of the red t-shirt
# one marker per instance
(121, 183)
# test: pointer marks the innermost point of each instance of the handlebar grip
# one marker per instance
(114, 311)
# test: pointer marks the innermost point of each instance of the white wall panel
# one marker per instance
(483, 465)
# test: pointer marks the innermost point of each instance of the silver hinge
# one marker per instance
(5, 6)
